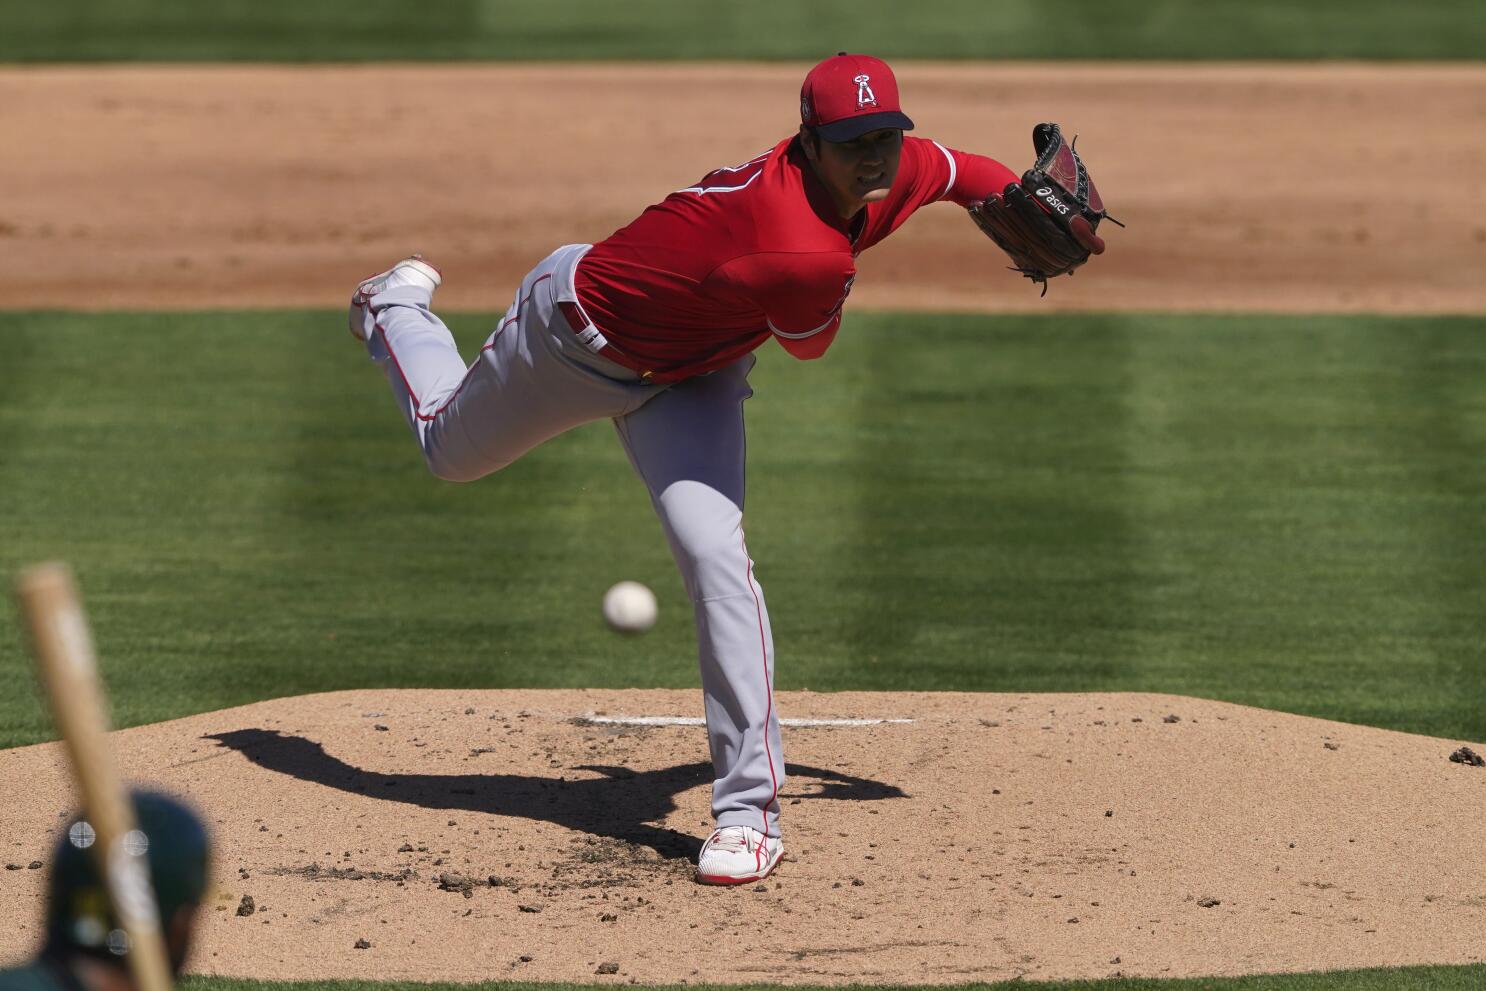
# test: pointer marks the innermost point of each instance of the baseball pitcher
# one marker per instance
(654, 329)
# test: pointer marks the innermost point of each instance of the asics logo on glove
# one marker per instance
(1052, 202)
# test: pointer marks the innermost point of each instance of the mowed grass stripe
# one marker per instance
(1272, 511)
(1320, 501)
(323, 31)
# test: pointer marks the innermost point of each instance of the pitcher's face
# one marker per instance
(859, 171)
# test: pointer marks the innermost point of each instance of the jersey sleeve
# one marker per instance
(973, 177)
(941, 173)
(800, 294)
(931, 173)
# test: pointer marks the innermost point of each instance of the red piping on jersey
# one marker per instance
(769, 713)
(417, 403)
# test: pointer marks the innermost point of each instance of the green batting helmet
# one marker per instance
(79, 919)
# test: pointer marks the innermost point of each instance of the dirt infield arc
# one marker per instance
(474, 835)
(1299, 188)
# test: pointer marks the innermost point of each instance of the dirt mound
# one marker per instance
(549, 836)
(1273, 187)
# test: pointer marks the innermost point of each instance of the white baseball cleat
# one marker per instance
(413, 271)
(738, 855)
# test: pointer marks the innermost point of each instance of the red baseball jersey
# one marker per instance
(753, 251)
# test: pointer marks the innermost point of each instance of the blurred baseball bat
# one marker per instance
(69, 670)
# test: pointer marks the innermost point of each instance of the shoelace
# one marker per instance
(733, 841)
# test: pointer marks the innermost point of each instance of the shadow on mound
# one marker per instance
(620, 805)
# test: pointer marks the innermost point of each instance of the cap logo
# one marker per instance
(805, 108)
(865, 96)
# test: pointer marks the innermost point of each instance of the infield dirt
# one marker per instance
(476, 835)
(1299, 188)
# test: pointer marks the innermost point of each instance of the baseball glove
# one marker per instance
(1047, 223)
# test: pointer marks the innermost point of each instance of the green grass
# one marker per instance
(1402, 979)
(328, 30)
(1278, 512)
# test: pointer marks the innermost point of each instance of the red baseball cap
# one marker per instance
(846, 96)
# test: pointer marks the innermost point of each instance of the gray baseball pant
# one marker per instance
(532, 380)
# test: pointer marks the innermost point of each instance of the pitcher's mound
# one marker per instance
(929, 838)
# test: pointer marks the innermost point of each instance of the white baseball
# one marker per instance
(629, 607)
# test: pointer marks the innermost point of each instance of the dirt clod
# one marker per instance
(362, 944)
(607, 968)
(1208, 903)
(457, 882)
(246, 906)
(34, 865)
(314, 872)
(1465, 755)
(1172, 718)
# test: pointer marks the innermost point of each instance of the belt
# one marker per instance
(594, 340)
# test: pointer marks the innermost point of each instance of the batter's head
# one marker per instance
(846, 96)
(79, 920)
